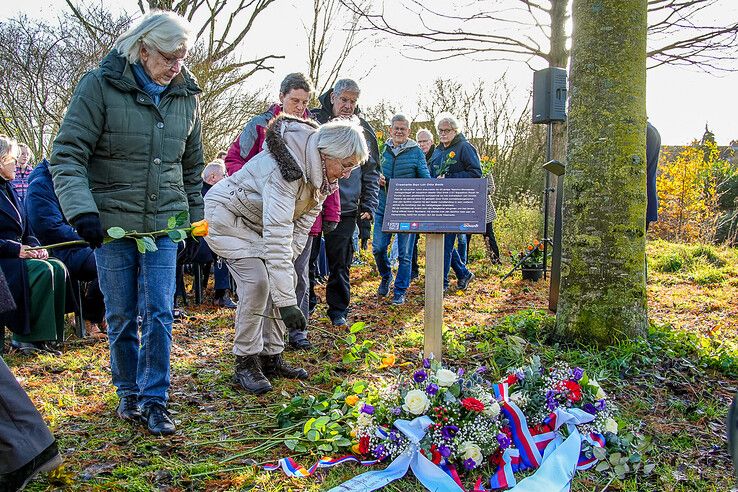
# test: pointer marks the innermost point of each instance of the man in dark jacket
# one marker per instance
(653, 147)
(358, 198)
(50, 227)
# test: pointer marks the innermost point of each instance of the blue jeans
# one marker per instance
(132, 284)
(462, 248)
(405, 245)
(451, 259)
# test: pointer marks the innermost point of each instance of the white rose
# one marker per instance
(517, 398)
(492, 409)
(470, 450)
(600, 392)
(416, 402)
(611, 425)
(446, 378)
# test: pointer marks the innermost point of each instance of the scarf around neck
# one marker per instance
(150, 87)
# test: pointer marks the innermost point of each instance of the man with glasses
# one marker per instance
(358, 193)
(401, 158)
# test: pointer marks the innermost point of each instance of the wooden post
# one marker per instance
(433, 295)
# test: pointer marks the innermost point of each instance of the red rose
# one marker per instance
(511, 379)
(435, 455)
(472, 404)
(364, 444)
(575, 391)
(496, 459)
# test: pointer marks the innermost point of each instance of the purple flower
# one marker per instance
(367, 409)
(449, 431)
(469, 464)
(426, 363)
(460, 372)
(520, 375)
(589, 408)
(420, 376)
(432, 389)
(503, 441)
(482, 369)
(600, 405)
(396, 411)
(393, 436)
(551, 402)
(380, 451)
(577, 373)
(444, 450)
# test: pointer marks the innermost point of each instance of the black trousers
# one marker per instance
(339, 250)
(93, 304)
(489, 233)
(313, 268)
(23, 432)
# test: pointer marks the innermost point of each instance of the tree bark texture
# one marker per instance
(603, 286)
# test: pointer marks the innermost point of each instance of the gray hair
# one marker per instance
(161, 30)
(342, 139)
(450, 119)
(8, 146)
(216, 166)
(344, 85)
(297, 80)
(424, 131)
(399, 117)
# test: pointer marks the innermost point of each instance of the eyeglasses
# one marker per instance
(443, 131)
(171, 61)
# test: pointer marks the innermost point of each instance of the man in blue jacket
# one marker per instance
(454, 157)
(401, 158)
(50, 227)
(358, 195)
(653, 148)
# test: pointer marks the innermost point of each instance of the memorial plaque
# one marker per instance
(436, 205)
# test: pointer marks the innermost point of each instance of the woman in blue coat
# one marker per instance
(454, 157)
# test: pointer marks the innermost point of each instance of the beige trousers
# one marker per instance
(255, 334)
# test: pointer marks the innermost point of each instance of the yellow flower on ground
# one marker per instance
(388, 361)
(200, 228)
(351, 400)
(451, 154)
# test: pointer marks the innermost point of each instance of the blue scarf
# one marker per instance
(149, 86)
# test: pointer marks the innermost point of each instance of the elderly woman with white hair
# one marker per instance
(454, 157)
(129, 154)
(259, 221)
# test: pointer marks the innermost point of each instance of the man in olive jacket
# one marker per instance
(129, 154)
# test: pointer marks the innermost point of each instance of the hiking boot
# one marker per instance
(276, 366)
(301, 344)
(384, 286)
(398, 298)
(249, 376)
(158, 420)
(339, 321)
(128, 408)
(46, 461)
(464, 283)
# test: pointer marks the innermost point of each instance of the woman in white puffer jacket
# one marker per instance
(259, 219)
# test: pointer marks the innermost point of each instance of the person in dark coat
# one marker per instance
(454, 157)
(38, 284)
(26, 445)
(50, 227)
(425, 142)
(653, 148)
(358, 193)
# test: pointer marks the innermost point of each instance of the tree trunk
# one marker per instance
(603, 287)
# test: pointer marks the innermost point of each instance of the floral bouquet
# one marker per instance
(466, 428)
(450, 161)
(531, 258)
(538, 391)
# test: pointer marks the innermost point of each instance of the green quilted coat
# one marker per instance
(119, 155)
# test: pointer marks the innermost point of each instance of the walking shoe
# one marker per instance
(128, 409)
(25, 348)
(464, 283)
(339, 321)
(398, 299)
(249, 375)
(46, 461)
(384, 286)
(158, 420)
(301, 344)
(275, 366)
(225, 302)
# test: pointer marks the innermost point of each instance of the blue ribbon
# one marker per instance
(430, 475)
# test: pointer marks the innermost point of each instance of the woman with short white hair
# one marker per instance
(129, 154)
(259, 219)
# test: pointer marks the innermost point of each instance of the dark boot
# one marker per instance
(276, 366)
(249, 376)
(158, 420)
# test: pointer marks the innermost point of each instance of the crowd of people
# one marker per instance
(295, 183)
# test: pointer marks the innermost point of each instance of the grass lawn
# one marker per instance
(674, 387)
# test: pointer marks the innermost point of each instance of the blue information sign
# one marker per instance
(436, 205)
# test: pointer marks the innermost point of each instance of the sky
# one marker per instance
(680, 101)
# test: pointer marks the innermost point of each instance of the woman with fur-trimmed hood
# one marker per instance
(259, 219)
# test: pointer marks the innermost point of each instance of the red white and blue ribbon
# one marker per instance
(292, 469)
